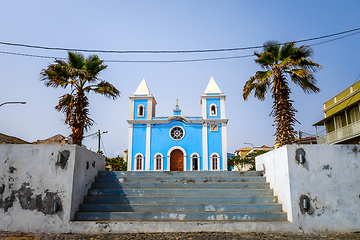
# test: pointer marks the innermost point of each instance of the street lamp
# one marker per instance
(12, 103)
(250, 144)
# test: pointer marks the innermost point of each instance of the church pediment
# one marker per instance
(177, 118)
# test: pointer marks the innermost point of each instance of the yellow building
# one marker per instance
(341, 120)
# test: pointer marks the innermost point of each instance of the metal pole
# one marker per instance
(12, 103)
(250, 144)
(99, 141)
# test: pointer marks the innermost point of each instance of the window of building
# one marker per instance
(338, 122)
(139, 160)
(195, 161)
(158, 161)
(215, 161)
(213, 110)
(354, 114)
(141, 111)
(177, 133)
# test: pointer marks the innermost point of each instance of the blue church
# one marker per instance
(177, 143)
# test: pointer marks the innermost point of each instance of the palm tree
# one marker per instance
(81, 74)
(279, 64)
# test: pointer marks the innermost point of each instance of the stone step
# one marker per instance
(176, 216)
(177, 179)
(190, 185)
(268, 207)
(176, 200)
(183, 174)
(180, 196)
(180, 192)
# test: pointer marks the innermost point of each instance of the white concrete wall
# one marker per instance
(31, 181)
(330, 178)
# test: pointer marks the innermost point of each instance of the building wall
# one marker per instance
(330, 179)
(32, 180)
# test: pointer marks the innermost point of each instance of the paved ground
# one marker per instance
(180, 236)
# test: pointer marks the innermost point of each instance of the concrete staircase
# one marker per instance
(180, 196)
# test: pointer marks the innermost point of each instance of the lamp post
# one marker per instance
(12, 103)
(250, 144)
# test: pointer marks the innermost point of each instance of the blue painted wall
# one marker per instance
(215, 145)
(138, 143)
(161, 141)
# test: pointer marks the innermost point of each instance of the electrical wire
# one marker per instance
(135, 61)
(102, 143)
(175, 61)
(315, 44)
(167, 51)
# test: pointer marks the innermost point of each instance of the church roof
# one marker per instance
(142, 89)
(212, 87)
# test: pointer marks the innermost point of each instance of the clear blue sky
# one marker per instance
(169, 25)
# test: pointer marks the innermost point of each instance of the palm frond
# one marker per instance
(104, 88)
(266, 59)
(65, 105)
(76, 60)
(261, 90)
(305, 80)
(286, 51)
(248, 87)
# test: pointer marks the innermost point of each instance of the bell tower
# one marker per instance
(213, 101)
(142, 103)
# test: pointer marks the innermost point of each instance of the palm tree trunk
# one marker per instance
(80, 117)
(283, 112)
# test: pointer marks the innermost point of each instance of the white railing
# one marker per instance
(340, 134)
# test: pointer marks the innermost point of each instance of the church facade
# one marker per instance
(176, 142)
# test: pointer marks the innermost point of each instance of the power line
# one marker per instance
(103, 146)
(135, 61)
(169, 61)
(175, 61)
(166, 51)
(334, 39)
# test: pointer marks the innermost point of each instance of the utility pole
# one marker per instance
(99, 136)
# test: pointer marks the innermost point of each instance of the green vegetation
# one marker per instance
(248, 159)
(81, 74)
(280, 63)
(117, 163)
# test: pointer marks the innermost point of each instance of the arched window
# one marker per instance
(213, 110)
(215, 161)
(195, 162)
(139, 161)
(141, 111)
(158, 164)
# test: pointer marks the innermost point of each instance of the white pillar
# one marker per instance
(130, 138)
(224, 145)
(147, 150)
(205, 147)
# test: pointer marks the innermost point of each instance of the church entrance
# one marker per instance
(176, 160)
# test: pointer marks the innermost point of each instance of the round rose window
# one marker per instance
(177, 133)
